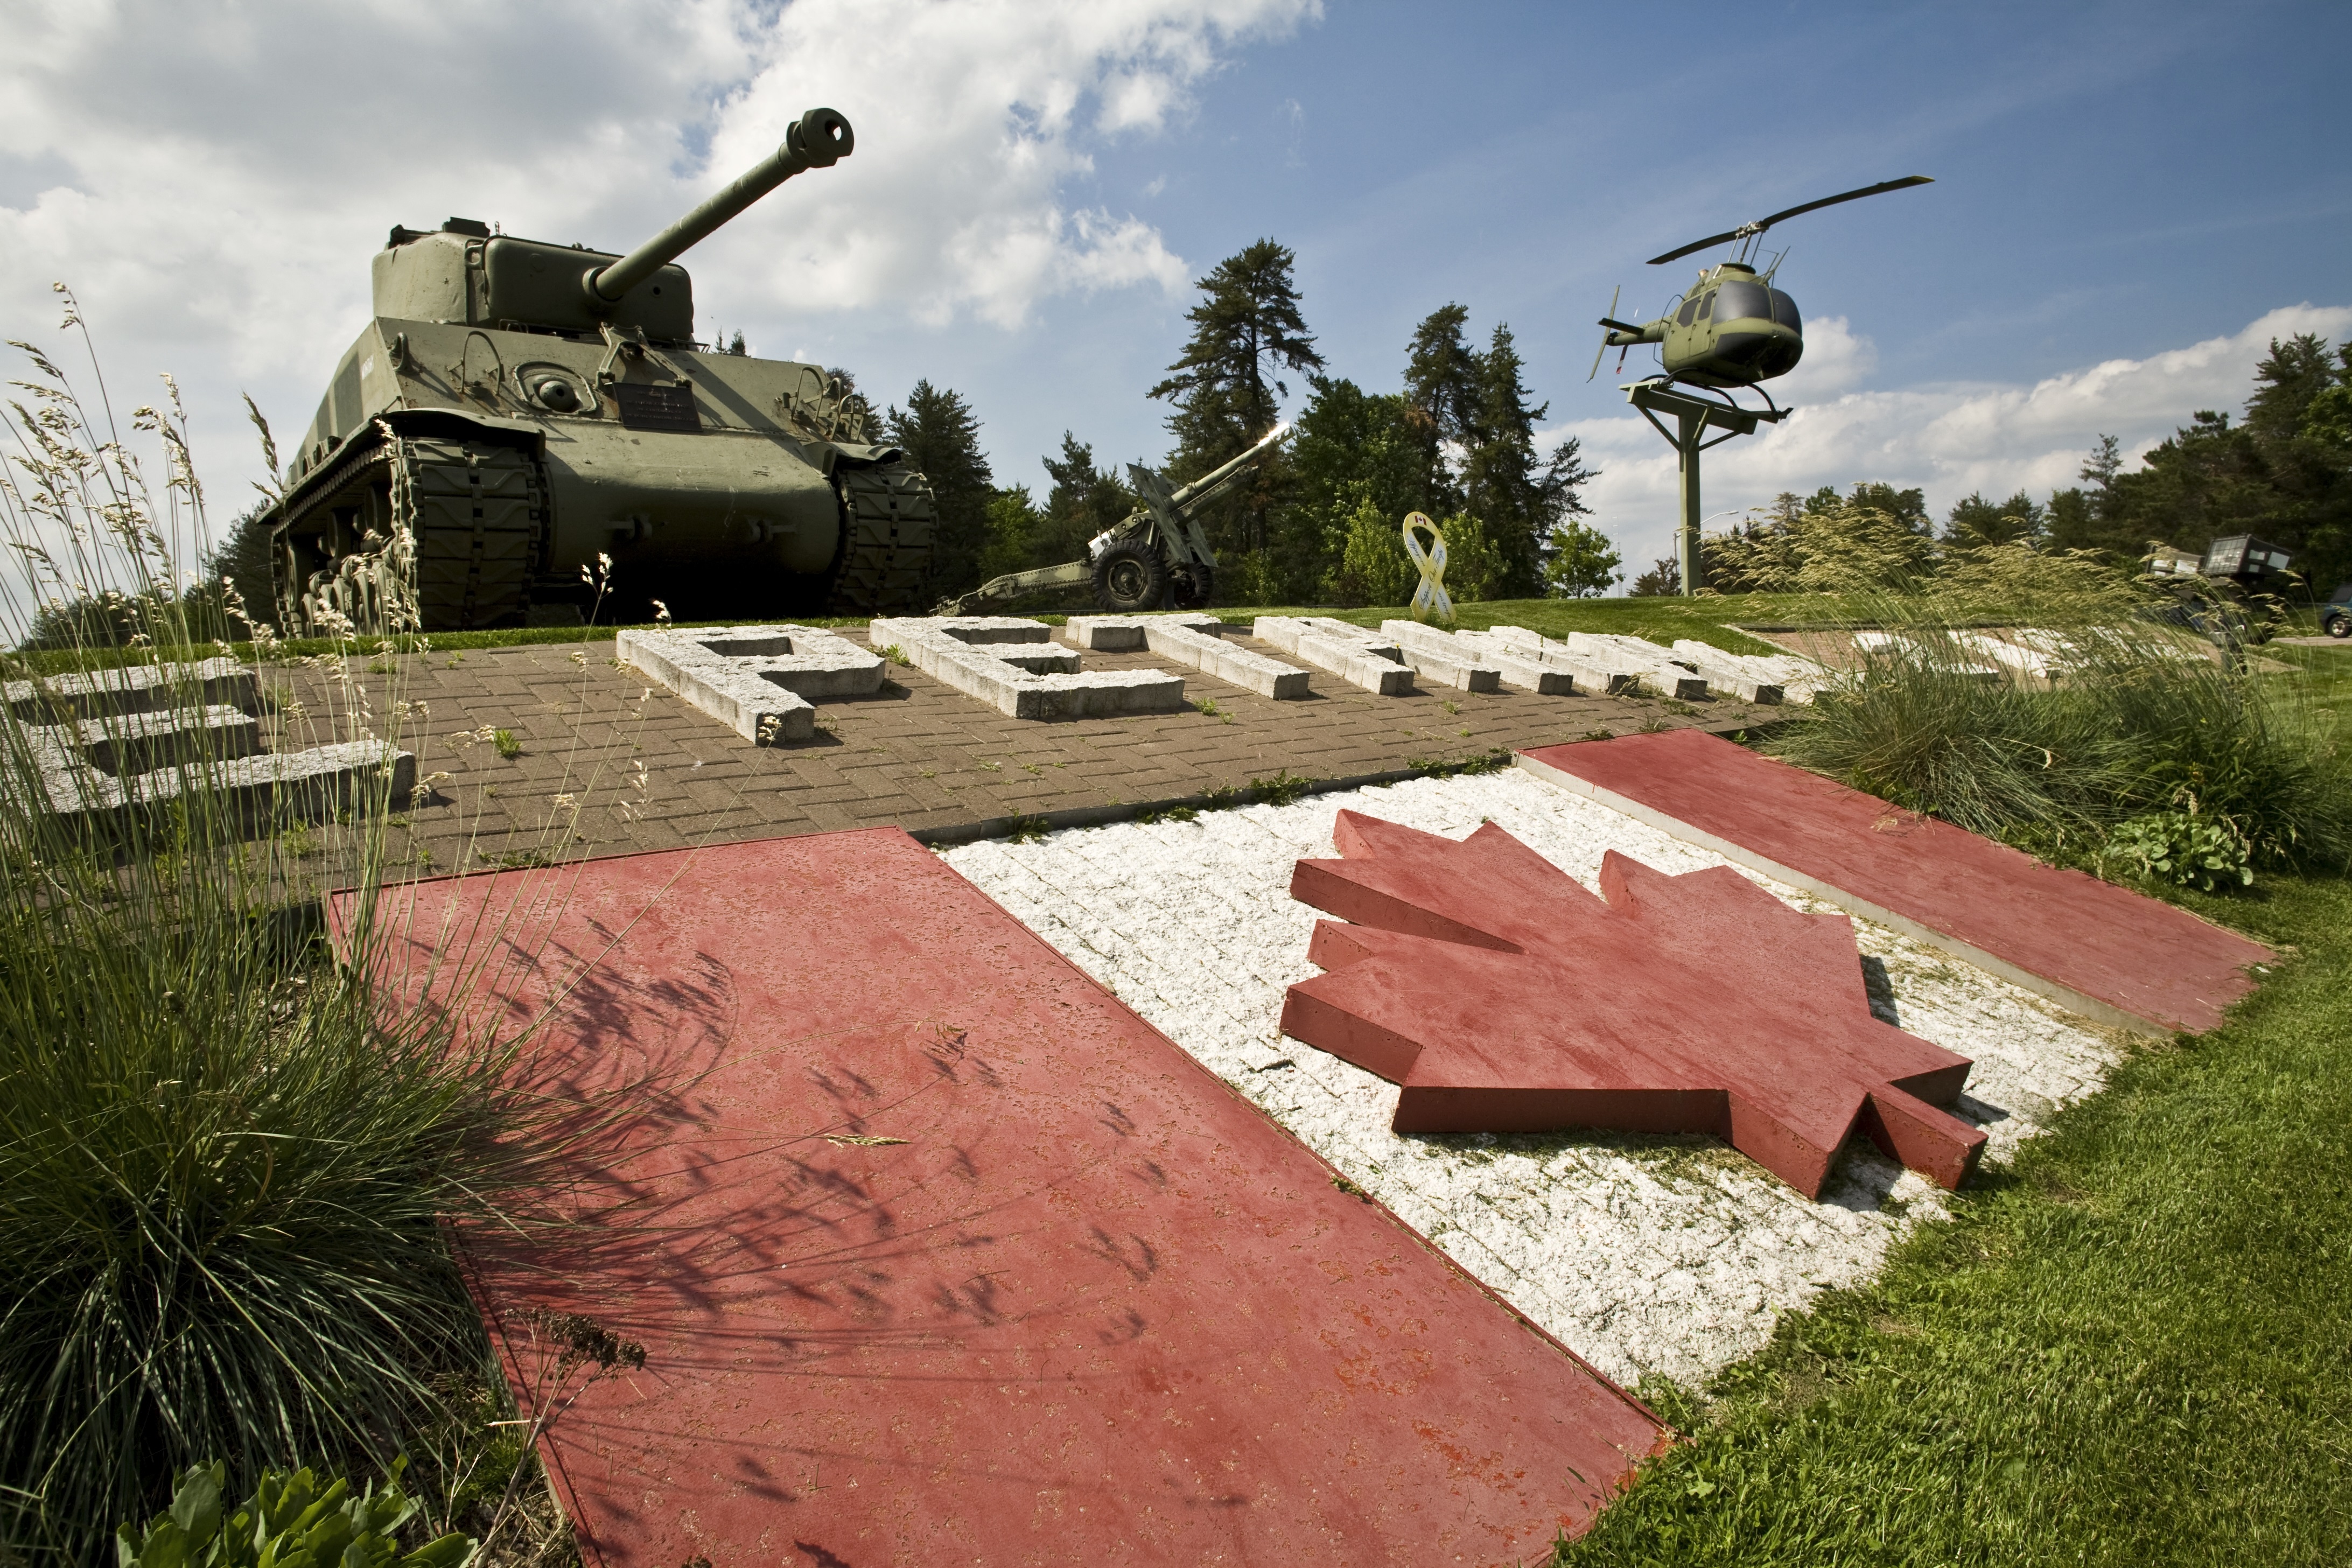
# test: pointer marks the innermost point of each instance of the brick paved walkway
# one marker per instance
(920, 754)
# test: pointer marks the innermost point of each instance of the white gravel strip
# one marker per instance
(1667, 1255)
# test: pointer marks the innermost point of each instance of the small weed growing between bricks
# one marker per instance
(1281, 789)
(507, 745)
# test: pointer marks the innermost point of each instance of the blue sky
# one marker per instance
(2130, 199)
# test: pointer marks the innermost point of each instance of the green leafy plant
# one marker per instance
(2186, 848)
(508, 746)
(290, 1522)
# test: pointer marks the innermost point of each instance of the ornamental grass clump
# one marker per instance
(2131, 721)
(227, 1183)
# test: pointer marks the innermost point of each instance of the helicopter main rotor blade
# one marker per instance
(1744, 230)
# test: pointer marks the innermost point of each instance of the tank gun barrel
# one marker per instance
(818, 140)
(1216, 478)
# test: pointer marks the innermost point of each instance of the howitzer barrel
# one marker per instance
(1185, 495)
(818, 140)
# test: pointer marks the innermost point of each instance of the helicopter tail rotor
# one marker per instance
(1604, 336)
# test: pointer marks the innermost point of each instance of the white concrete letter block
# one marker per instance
(109, 743)
(1351, 653)
(1011, 663)
(1443, 656)
(1749, 680)
(1195, 640)
(1509, 645)
(756, 680)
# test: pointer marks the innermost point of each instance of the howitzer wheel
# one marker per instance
(885, 552)
(1195, 584)
(1130, 575)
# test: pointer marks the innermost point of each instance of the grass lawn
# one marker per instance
(1706, 619)
(2134, 1346)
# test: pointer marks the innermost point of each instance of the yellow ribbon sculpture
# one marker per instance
(1429, 599)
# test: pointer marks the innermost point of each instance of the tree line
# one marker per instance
(1320, 521)
(2281, 472)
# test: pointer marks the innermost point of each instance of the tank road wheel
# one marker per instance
(1130, 575)
(886, 547)
(1195, 584)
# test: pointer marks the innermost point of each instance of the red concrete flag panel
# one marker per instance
(2104, 951)
(938, 1254)
(1502, 997)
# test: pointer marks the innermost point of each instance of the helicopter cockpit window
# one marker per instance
(1707, 307)
(1784, 312)
(1742, 302)
(1682, 316)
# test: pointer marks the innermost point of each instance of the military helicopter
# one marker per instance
(1733, 328)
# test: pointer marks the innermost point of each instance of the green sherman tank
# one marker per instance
(518, 409)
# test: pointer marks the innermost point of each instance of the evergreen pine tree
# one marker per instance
(1976, 522)
(243, 557)
(1519, 496)
(1459, 400)
(1083, 503)
(942, 438)
(1013, 523)
(1227, 385)
(1352, 449)
(1444, 401)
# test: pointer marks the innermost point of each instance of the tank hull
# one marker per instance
(520, 462)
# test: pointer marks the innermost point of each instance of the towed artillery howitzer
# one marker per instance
(1158, 554)
(518, 409)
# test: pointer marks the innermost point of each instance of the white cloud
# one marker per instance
(1947, 440)
(212, 179)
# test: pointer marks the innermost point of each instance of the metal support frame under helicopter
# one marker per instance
(1694, 416)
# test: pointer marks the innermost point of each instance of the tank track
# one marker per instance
(886, 555)
(480, 514)
(476, 514)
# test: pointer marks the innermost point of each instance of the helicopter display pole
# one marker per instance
(1687, 538)
(1694, 416)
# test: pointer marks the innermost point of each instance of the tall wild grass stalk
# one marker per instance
(2136, 719)
(226, 1183)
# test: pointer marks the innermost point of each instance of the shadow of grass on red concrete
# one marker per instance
(938, 1253)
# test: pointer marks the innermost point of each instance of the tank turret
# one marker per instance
(518, 408)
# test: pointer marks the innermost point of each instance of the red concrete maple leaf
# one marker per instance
(1502, 997)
